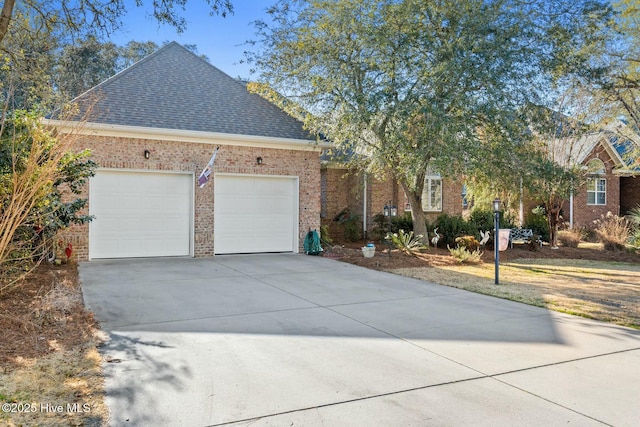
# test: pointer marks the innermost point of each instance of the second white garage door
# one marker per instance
(255, 214)
(140, 214)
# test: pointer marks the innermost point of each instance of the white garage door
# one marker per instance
(255, 214)
(140, 214)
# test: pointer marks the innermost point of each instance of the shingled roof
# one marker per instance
(175, 89)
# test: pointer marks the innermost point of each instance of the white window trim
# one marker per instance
(596, 192)
(426, 192)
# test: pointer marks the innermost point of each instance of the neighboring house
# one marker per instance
(613, 186)
(152, 130)
(613, 183)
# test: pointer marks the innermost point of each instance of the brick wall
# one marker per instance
(344, 189)
(113, 152)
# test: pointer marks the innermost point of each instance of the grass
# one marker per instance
(50, 368)
(607, 291)
(64, 378)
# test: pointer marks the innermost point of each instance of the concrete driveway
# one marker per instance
(295, 340)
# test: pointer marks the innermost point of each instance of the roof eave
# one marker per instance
(180, 135)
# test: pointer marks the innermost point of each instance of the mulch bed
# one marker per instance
(350, 252)
(43, 314)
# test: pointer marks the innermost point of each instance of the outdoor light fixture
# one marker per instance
(394, 211)
(386, 210)
(496, 205)
(147, 154)
(259, 160)
(496, 241)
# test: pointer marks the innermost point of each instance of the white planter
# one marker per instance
(368, 251)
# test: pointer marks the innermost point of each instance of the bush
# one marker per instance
(381, 225)
(463, 255)
(537, 221)
(481, 220)
(612, 231)
(34, 163)
(452, 226)
(350, 223)
(325, 238)
(468, 242)
(406, 242)
(634, 218)
(570, 238)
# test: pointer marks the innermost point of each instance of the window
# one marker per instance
(432, 192)
(596, 167)
(596, 191)
(465, 201)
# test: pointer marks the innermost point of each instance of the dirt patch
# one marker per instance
(48, 356)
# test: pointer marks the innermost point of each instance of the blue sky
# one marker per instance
(221, 39)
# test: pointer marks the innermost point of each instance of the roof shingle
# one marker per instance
(175, 89)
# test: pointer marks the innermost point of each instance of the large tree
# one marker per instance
(412, 85)
(613, 71)
(86, 16)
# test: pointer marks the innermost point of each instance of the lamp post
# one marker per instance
(496, 243)
(390, 211)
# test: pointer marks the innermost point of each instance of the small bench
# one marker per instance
(523, 235)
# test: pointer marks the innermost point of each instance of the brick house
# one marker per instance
(613, 184)
(153, 129)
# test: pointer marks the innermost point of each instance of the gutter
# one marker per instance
(180, 135)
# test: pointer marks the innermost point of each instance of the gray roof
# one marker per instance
(175, 89)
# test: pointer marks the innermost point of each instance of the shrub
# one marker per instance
(570, 238)
(325, 238)
(537, 221)
(381, 224)
(406, 242)
(464, 255)
(634, 218)
(452, 226)
(469, 242)
(481, 220)
(402, 222)
(34, 164)
(350, 223)
(612, 231)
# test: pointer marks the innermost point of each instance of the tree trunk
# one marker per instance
(417, 215)
(553, 218)
(5, 18)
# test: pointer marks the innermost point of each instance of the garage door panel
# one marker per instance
(255, 214)
(140, 214)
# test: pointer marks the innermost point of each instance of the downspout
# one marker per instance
(364, 208)
(571, 210)
(571, 207)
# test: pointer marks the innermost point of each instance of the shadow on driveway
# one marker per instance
(218, 340)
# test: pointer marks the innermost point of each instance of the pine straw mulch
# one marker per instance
(48, 352)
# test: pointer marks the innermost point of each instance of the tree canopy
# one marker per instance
(97, 16)
(412, 85)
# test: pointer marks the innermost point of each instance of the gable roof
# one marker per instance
(175, 89)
